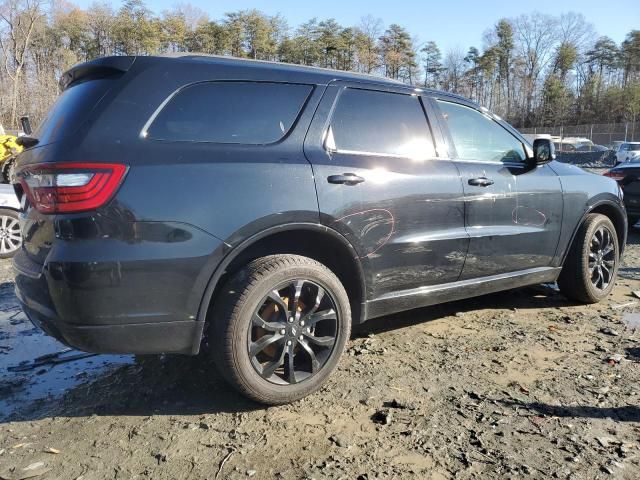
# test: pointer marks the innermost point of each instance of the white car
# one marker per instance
(10, 237)
(628, 152)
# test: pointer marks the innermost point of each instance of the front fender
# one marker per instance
(609, 205)
(584, 193)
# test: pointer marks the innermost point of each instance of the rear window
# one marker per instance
(368, 121)
(230, 112)
(71, 109)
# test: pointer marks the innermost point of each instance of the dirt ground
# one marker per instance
(517, 384)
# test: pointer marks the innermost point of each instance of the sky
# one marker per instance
(450, 23)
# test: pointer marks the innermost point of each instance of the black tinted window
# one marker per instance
(478, 137)
(71, 109)
(230, 112)
(381, 123)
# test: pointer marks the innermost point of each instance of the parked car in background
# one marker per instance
(259, 210)
(615, 145)
(591, 147)
(576, 144)
(10, 236)
(628, 177)
(628, 152)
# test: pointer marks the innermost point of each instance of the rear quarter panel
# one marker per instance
(181, 209)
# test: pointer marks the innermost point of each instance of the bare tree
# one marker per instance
(575, 29)
(535, 39)
(368, 32)
(19, 19)
(454, 67)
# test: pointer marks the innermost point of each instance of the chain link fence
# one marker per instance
(598, 133)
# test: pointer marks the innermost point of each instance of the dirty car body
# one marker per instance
(187, 199)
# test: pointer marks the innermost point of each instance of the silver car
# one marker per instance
(628, 152)
(10, 238)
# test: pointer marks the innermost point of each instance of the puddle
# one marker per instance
(20, 344)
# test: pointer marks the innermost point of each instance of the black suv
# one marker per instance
(257, 211)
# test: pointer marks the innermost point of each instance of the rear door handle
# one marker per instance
(345, 179)
(480, 182)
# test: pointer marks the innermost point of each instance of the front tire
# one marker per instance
(279, 328)
(591, 266)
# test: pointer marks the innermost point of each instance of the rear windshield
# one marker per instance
(71, 109)
(249, 113)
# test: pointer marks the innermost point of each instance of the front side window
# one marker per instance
(478, 137)
(248, 113)
(380, 123)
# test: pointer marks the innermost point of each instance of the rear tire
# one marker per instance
(591, 266)
(270, 336)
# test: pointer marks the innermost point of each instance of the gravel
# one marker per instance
(518, 384)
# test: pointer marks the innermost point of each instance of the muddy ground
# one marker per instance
(519, 384)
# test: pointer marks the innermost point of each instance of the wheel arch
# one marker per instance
(614, 212)
(312, 240)
(6, 207)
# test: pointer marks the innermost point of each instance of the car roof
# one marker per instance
(293, 72)
(248, 69)
(325, 74)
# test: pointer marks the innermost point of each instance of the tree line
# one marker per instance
(535, 69)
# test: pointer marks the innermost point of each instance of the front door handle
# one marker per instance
(345, 179)
(480, 182)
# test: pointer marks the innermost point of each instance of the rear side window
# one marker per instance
(380, 123)
(230, 112)
(71, 109)
(478, 137)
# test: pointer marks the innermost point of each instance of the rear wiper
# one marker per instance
(26, 141)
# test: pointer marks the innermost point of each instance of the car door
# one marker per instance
(382, 185)
(513, 210)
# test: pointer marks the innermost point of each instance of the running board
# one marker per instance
(433, 294)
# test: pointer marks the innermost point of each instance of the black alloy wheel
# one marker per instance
(279, 327)
(293, 332)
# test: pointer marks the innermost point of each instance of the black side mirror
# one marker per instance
(543, 151)
(26, 125)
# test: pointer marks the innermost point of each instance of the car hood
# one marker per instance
(592, 183)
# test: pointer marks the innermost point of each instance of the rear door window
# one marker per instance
(380, 123)
(230, 112)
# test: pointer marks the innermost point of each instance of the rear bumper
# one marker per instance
(112, 296)
(137, 338)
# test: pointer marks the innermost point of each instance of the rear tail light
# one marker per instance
(71, 187)
(617, 176)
